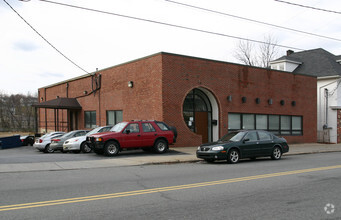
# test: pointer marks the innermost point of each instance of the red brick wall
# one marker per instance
(143, 101)
(182, 74)
(162, 81)
(338, 126)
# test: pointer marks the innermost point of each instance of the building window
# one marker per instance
(248, 121)
(90, 119)
(277, 124)
(114, 117)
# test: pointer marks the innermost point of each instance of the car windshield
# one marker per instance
(119, 127)
(69, 134)
(233, 136)
(94, 131)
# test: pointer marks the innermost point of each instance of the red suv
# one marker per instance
(148, 135)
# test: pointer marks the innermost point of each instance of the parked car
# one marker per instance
(148, 135)
(43, 143)
(27, 140)
(78, 144)
(244, 144)
(57, 143)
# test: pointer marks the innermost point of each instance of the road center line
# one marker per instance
(161, 189)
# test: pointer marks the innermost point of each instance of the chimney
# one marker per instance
(289, 52)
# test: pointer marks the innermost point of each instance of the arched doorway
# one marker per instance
(200, 112)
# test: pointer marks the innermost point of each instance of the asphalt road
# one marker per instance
(296, 187)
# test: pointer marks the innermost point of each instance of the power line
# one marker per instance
(167, 24)
(252, 20)
(44, 38)
(306, 6)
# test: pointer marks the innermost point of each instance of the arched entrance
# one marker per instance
(200, 112)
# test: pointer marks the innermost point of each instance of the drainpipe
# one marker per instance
(326, 103)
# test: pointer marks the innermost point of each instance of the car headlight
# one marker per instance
(72, 141)
(199, 148)
(99, 139)
(218, 148)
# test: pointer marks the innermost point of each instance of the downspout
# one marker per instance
(326, 103)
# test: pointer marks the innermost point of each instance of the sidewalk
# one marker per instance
(175, 155)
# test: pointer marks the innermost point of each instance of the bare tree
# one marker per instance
(16, 112)
(245, 53)
(248, 54)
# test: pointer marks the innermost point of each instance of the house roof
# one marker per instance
(316, 62)
(60, 103)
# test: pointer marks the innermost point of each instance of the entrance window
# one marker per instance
(197, 113)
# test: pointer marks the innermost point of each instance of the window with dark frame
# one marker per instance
(276, 124)
(90, 119)
(114, 117)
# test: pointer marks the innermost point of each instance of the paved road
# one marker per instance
(296, 187)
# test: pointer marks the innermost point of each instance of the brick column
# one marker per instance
(338, 126)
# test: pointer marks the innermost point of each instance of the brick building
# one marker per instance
(202, 98)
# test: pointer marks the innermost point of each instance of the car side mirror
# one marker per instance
(127, 131)
(246, 139)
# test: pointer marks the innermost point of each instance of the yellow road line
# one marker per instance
(161, 189)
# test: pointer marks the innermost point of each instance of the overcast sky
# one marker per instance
(96, 40)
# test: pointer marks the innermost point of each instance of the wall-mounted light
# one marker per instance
(282, 102)
(257, 100)
(270, 101)
(57, 96)
(41, 99)
(130, 84)
(229, 98)
(85, 92)
(293, 103)
(243, 99)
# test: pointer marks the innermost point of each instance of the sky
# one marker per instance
(96, 40)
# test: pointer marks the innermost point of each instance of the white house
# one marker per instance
(327, 68)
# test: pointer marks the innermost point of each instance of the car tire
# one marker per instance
(111, 148)
(85, 147)
(276, 153)
(48, 149)
(233, 156)
(160, 146)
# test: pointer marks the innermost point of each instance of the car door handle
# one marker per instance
(155, 134)
(138, 135)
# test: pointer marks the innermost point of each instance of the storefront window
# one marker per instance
(262, 122)
(277, 124)
(248, 121)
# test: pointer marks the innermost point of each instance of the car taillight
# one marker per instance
(40, 141)
(55, 140)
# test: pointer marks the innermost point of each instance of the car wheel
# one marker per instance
(160, 146)
(276, 153)
(111, 148)
(233, 156)
(48, 149)
(85, 147)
